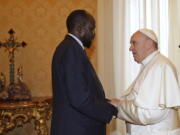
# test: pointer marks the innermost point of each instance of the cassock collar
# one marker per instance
(79, 41)
(149, 58)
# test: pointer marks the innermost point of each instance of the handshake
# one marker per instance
(114, 101)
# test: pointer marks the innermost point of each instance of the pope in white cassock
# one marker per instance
(149, 106)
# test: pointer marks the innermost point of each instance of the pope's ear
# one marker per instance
(149, 44)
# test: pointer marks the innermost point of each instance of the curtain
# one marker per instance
(117, 20)
(128, 17)
(133, 15)
(174, 34)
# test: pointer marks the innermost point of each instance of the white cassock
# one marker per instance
(149, 106)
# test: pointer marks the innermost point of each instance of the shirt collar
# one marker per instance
(149, 58)
(79, 41)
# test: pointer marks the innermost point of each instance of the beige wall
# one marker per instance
(40, 23)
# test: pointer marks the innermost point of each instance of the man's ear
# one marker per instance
(79, 31)
(82, 31)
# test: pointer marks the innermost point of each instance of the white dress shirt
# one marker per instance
(77, 39)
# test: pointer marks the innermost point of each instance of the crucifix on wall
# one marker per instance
(15, 90)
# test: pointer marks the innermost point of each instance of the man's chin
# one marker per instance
(87, 45)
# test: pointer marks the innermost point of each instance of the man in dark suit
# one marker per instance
(79, 104)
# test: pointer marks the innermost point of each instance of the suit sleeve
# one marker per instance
(78, 90)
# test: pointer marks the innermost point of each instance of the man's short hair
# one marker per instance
(78, 17)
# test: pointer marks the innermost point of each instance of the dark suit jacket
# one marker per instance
(79, 105)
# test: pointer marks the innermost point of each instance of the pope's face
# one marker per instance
(138, 46)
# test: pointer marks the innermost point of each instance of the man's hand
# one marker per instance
(114, 101)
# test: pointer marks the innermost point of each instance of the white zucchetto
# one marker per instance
(149, 33)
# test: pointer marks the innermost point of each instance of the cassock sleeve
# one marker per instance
(79, 92)
(133, 114)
